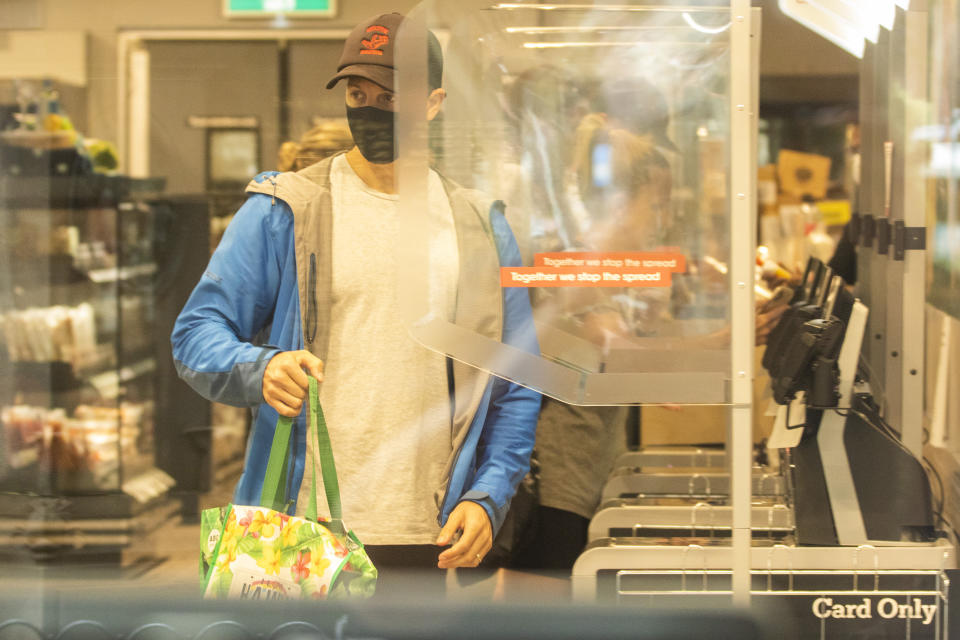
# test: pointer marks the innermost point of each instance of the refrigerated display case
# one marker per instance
(77, 363)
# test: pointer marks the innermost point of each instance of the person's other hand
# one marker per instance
(766, 322)
(763, 325)
(285, 382)
(476, 536)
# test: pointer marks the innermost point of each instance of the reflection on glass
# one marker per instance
(234, 156)
(77, 337)
(603, 130)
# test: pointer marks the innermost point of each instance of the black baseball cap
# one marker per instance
(369, 53)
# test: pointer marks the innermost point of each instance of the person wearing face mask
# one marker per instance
(305, 281)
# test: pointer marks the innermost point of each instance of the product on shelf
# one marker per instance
(103, 154)
(23, 431)
(91, 440)
(51, 334)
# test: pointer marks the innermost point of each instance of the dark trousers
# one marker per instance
(407, 571)
(558, 539)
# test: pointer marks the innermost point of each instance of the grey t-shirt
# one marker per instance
(576, 448)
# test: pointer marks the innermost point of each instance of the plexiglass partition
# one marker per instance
(567, 225)
(601, 133)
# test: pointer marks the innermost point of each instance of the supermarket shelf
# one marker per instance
(98, 505)
(57, 376)
(117, 274)
(39, 139)
(148, 485)
(59, 270)
(46, 271)
(45, 377)
(87, 533)
(108, 383)
(47, 193)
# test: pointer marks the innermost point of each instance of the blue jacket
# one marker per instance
(265, 289)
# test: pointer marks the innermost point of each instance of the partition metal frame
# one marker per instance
(486, 355)
(744, 108)
(893, 98)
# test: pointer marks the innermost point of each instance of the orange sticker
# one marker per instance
(582, 277)
(647, 260)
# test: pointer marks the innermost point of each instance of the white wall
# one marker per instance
(63, 59)
(782, 42)
(103, 19)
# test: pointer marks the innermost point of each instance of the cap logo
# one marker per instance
(379, 38)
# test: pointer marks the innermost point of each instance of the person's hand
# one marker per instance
(285, 383)
(600, 327)
(476, 537)
(766, 322)
(763, 325)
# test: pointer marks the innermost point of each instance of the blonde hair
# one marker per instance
(324, 139)
(634, 161)
(287, 155)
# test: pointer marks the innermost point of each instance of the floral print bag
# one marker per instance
(261, 553)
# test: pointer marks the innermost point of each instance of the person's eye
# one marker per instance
(387, 98)
(356, 96)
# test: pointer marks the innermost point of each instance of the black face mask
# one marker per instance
(372, 131)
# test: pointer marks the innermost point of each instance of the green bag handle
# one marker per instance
(321, 453)
(273, 493)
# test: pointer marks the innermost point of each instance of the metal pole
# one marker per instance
(893, 184)
(865, 195)
(914, 215)
(125, 42)
(742, 250)
(876, 263)
(138, 112)
(283, 90)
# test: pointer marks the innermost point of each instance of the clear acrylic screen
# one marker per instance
(604, 132)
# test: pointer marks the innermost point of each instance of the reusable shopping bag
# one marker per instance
(261, 553)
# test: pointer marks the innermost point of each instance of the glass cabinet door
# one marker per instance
(77, 340)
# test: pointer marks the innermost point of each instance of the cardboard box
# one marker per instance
(803, 174)
(701, 424)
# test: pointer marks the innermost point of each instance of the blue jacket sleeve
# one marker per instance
(506, 442)
(231, 304)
